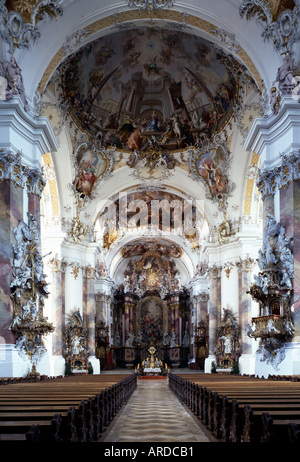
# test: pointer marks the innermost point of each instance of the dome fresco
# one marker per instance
(133, 84)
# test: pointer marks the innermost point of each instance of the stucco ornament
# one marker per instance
(28, 291)
(272, 289)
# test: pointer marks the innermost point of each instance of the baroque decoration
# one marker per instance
(161, 213)
(272, 289)
(11, 168)
(151, 99)
(228, 343)
(75, 353)
(91, 164)
(106, 87)
(11, 82)
(155, 271)
(271, 180)
(227, 229)
(279, 18)
(78, 230)
(20, 19)
(29, 291)
(150, 4)
(210, 164)
(115, 76)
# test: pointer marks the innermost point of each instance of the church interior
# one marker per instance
(149, 164)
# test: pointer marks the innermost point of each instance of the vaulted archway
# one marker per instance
(165, 113)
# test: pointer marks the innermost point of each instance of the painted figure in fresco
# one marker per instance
(135, 156)
(152, 68)
(110, 139)
(91, 166)
(99, 79)
(213, 175)
(104, 54)
(152, 125)
(110, 121)
(176, 126)
(168, 134)
(133, 141)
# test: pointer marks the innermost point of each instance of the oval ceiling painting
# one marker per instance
(134, 85)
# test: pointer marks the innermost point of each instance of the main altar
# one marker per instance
(152, 366)
(150, 309)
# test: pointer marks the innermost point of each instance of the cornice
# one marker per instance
(276, 134)
(20, 129)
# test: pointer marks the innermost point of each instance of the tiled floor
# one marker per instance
(154, 414)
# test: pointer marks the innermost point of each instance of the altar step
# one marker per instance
(154, 414)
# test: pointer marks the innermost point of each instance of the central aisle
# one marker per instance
(154, 414)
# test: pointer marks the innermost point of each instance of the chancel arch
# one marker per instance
(176, 118)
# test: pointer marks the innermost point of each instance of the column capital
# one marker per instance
(245, 264)
(57, 265)
(214, 271)
(102, 297)
(90, 272)
(279, 177)
(269, 136)
(201, 297)
(12, 168)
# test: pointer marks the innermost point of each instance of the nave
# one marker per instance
(119, 407)
(154, 414)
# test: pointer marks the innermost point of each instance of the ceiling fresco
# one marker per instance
(164, 212)
(142, 246)
(135, 85)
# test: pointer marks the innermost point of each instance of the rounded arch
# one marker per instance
(161, 211)
(72, 30)
(185, 264)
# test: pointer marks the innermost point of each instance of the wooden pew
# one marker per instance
(281, 428)
(257, 422)
(85, 407)
(227, 415)
(294, 432)
(220, 403)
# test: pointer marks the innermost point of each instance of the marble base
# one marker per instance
(11, 364)
(57, 366)
(247, 364)
(95, 363)
(208, 363)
